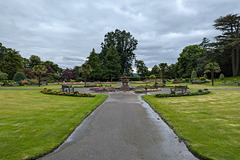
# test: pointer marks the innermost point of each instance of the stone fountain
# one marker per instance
(125, 86)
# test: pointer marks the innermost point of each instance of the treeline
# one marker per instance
(12, 63)
(196, 58)
(114, 60)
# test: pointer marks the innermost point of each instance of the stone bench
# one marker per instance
(44, 82)
(183, 89)
(66, 88)
(196, 82)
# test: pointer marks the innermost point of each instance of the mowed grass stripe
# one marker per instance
(210, 124)
(32, 123)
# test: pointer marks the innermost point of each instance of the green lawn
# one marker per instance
(32, 123)
(210, 124)
(50, 86)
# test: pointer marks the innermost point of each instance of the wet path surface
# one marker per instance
(124, 127)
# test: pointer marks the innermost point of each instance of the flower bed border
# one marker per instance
(74, 94)
(183, 94)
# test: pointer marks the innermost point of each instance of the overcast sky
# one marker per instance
(66, 31)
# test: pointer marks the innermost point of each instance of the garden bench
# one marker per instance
(44, 82)
(183, 89)
(66, 88)
(196, 82)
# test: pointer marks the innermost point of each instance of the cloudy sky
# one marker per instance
(66, 31)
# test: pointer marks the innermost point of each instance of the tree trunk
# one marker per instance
(39, 80)
(85, 78)
(212, 77)
(235, 61)
(163, 77)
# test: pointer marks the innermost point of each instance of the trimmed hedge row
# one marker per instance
(199, 92)
(75, 94)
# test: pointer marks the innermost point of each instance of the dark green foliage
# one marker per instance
(3, 51)
(111, 65)
(48, 77)
(187, 80)
(19, 76)
(34, 60)
(26, 63)
(188, 60)
(173, 92)
(125, 44)
(11, 63)
(3, 76)
(135, 78)
(94, 62)
(163, 67)
(142, 69)
(212, 67)
(172, 71)
(229, 40)
(194, 74)
(56, 76)
(155, 70)
(85, 69)
(221, 76)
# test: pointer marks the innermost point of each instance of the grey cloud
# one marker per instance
(66, 31)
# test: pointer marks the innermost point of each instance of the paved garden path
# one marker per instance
(124, 127)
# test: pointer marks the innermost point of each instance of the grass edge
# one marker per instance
(195, 153)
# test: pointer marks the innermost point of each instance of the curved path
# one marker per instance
(124, 127)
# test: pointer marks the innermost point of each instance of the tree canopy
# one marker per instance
(125, 44)
(230, 38)
(11, 63)
(111, 64)
(142, 69)
(94, 61)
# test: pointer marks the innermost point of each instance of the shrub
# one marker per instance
(183, 81)
(221, 76)
(5, 82)
(203, 79)
(205, 76)
(19, 76)
(200, 90)
(173, 92)
(3, 76)
(76, 92)
(152, 77)
(194, 74)
(187, 80)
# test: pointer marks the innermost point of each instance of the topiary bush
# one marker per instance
(19, 76)
(194, 74)
(221, 76)
(152, 77)
(3, 76)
